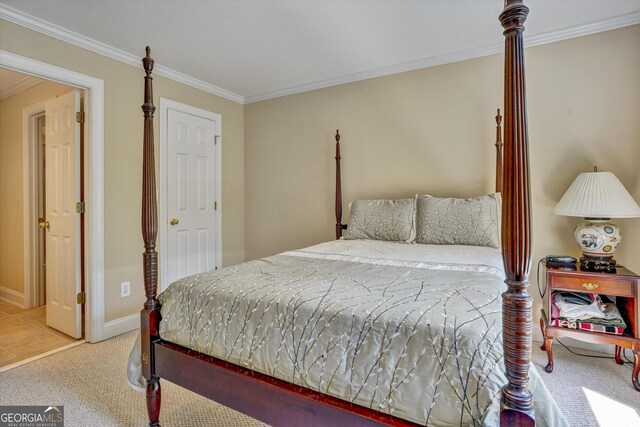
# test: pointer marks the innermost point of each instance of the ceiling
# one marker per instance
(12, 82)
(254, 50)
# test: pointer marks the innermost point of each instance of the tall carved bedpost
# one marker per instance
(499, 152)
(338, 189)
(517, 401)
(150, 315)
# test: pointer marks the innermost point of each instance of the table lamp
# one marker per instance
(598, 197)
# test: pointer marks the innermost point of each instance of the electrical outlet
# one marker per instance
(125, 289)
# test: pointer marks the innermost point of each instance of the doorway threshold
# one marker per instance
(40, 356)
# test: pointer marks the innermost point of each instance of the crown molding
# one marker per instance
(13, 15)
(530, 41)
(19, 86)
(36, 24)
(613, 23)
(431, 61)
(196, 83)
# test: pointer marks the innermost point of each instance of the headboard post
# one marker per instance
(338, 202)
(499, 152)
(150, 315)
(517, 400)
(149, 204)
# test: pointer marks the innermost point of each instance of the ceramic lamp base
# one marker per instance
(598, 239)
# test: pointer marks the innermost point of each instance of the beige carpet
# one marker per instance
(590, 391)
(89, 380)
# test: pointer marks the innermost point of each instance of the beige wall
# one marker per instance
(427, 131)
(11, 180)
(432, 131)
(123, 87)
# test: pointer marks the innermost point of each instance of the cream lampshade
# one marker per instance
(597, 196)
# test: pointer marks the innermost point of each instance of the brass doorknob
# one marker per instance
(173, 221)
(43, 225)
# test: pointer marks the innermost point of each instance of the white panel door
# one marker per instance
(191, 195)
(62, 191)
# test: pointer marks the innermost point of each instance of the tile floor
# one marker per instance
(24, 334)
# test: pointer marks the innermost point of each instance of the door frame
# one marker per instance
(165, 106)
(93, 179)
(30, 201)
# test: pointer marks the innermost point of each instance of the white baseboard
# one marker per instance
(121, 326)
(12, 297)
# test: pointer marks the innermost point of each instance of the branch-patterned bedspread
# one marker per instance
(420, 340)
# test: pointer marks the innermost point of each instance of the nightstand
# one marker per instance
(623, 285)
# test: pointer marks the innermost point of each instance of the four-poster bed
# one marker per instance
(279, 402)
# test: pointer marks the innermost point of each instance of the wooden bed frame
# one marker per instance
(280, 403)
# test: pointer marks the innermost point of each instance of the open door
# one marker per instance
(62, 221)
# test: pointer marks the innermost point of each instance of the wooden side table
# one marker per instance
(623, 285)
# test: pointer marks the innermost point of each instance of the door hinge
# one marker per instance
(80, 207)
(81, 298)
(215, 139)
(80, 117)
(215, 206)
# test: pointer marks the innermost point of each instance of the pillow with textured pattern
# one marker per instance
(391, 220)
(474, 221)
